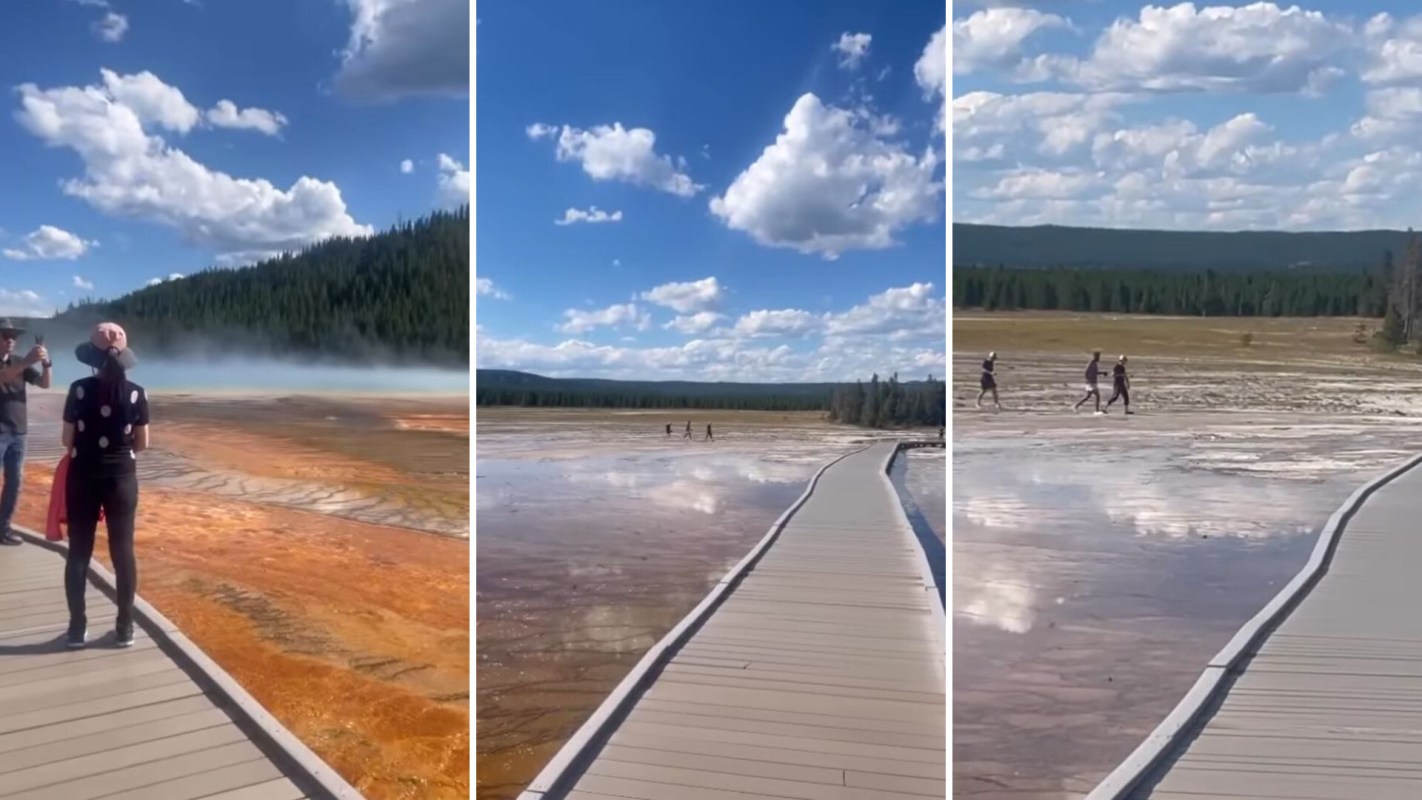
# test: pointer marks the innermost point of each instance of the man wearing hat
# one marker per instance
(15, 373)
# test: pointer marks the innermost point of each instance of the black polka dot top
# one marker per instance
(103, 426)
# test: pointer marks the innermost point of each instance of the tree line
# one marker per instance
(890, 404)
(401, 294)
(879, 404)
(1260, 293)
(632, 399)
(1116, 248)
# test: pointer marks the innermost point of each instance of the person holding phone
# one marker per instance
(15, 374)
(105, 428)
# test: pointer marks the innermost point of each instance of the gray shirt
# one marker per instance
(13, 417)
(1092, 371)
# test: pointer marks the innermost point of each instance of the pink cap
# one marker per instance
(109, 335)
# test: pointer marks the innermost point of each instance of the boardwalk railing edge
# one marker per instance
(930, 579)
(1142, 761)
(161, 628)
(574, 753)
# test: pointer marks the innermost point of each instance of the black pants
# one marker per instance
(1120, 393)
(117, 495)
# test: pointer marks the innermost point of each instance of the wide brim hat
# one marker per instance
(105, 338)
(6, 326)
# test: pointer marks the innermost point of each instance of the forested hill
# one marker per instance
(499, 387)
(399, 295)
(876, 403)
(1060, 246)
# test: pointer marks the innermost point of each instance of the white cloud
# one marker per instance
(903, 313)
(406, 48)
(615, 316)
(486, 288)
(111, 27)
(23, 303)
(48, 243)
(686, 297)
(1259, 47)
(829, 184)
(130, 171)
(152, 101)
(1394, 49)
(853, 48)
(172, 276)
(80, 283)
(899, 330)
(786, 322)
(992, 38)
(991, 127)
(226, 115)
(407, 166)
(689, 324)
(453, 181)
(1394, 114)
(931, 73)
(709, 359)
(592, 215)
(614, 153)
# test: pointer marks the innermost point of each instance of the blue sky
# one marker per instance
(644, 212)
(1188, 116)
(148, 138)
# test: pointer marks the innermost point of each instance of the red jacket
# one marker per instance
(57, 518)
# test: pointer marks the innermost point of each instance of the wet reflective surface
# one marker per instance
(1100, 562)
(597, 534)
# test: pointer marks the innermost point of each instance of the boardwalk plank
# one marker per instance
(106, 722)
(823, 661)
(1330, 705)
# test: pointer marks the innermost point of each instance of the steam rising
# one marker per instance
(207, 365)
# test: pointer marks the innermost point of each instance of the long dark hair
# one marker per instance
(112, 376)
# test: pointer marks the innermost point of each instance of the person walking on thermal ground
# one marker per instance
(989, 382)
(1093, 377)
(1120, 385)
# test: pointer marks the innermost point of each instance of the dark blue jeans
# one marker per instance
(12, 456)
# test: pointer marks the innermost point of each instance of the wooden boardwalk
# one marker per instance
(814, 670)
(1320, 696)
(157, 721)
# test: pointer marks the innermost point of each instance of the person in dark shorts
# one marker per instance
(708, 432)
(105, 427)
(989, 382)
(16, 372)
(1120, 385)
(1093, 377)
(688, 430)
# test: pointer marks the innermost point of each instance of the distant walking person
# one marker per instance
(668, 429)
(989, 382)
(1093, 376)
(105, 427)
(688, 430)
(709, 437)
(1120, 385)
(16, 372)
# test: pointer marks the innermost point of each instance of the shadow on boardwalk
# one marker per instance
(157, 721)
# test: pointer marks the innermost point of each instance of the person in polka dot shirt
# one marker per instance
(105, 428)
